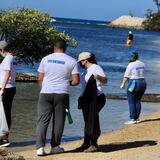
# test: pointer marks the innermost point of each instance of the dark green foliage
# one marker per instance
(157, 2)
(152, 21)
(31, 33)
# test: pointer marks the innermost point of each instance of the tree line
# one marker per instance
(152, 21)
(31, 33)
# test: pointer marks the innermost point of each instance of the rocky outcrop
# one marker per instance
(8, 155)
(127, 22)
(26, 77)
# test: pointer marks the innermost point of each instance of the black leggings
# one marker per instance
(7, 99)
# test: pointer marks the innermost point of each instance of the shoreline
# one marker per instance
(147, 97)
(133, 142)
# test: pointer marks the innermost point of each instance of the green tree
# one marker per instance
(31, 32)
(157, 2)
(152, 21)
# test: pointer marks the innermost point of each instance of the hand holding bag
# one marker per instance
(3, 122)
(132, 86)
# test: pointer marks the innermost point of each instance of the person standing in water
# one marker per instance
(130, 37)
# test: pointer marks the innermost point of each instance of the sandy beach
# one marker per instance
(133, 142)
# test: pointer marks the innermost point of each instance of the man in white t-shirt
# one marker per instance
(57, 71)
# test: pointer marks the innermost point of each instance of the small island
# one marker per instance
(129, 22)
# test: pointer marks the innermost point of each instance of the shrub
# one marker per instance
(152, 21)
(31, 33)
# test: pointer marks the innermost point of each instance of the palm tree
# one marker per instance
(157, 2)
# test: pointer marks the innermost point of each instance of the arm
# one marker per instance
(101, 79)
(40, 79)
(75, 80)
(5, 81)
(125, 79)
(127, 75)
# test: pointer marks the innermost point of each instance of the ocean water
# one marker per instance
(109, 46)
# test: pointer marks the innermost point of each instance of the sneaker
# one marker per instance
(4, 143)
(91, 149)
(40, 151)
(82, 147)
(57, 149)
(137, 121)
(132, 121)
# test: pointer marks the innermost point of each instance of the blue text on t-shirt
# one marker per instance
(56, 61)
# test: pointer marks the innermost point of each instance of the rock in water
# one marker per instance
(127, 22)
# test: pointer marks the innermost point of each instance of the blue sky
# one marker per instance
(105, 10)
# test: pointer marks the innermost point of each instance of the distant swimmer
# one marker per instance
(130, 39)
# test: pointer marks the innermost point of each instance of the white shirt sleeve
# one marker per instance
(128, 71)
(99, 71)
(41, 66)
(7, 63)
(75, 69)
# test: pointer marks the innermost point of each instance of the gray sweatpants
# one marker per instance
(51, 106)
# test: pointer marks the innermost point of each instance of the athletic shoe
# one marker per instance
(40, 151)
(137, 121)
(91, 149)
(132, 121)
(57, 149)
(82, 147)
(4, 143)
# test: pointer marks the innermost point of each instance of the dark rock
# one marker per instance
(26, 77)
(8, 155)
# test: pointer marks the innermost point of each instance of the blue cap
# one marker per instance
(133, 53)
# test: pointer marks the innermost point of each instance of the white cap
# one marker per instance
(3, 44)
(83, 56)
(130, 32)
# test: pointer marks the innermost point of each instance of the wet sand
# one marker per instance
(133, 142)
